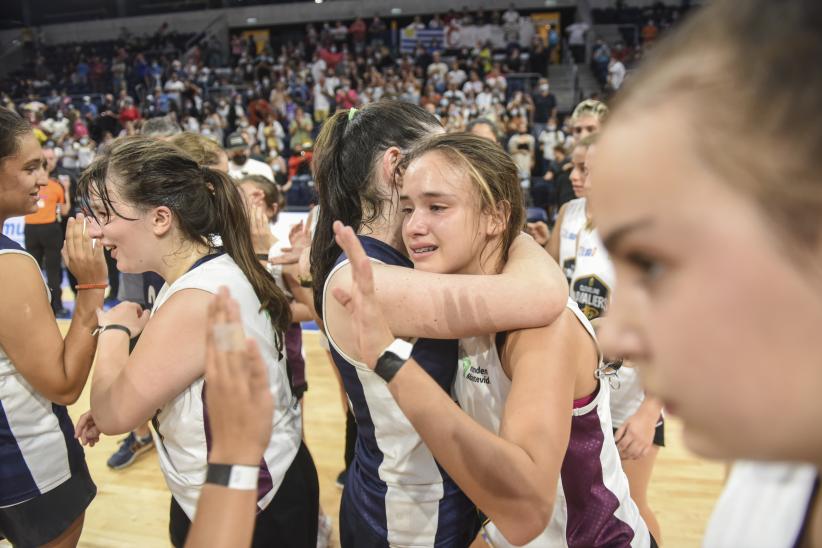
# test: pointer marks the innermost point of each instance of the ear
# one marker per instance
(498, 219)
(161, 220)
(273, 210)
(390, 160)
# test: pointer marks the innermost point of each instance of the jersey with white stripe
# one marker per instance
(593, 506)
(592, 284)
(181, 427)
(38, 451)
(573, 219)
(394, 484)
(763, 505)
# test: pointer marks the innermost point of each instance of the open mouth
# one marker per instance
(422, 251)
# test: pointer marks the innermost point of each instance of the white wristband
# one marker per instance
(233, 476)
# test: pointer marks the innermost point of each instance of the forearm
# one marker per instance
(225, 517)
(651, 409)
(106, 404)
(531, 293)
(79, 345)
(300, 313)
(496, 474)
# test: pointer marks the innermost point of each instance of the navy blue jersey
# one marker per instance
(38, 451)
(152, 284)
(394, 484)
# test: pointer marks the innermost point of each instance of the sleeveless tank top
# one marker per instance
(763, 505)
(591, 285)
(593, 506)
(181, 426)
(394, 484)
(38, 451)
(573, 219)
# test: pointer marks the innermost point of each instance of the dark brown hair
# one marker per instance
(346, 155)
(744, 70)
(489, 168)
(12, 128)
(150, 173)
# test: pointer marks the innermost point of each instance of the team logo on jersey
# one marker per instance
(591, 295)
(472, 372)
(568, 267)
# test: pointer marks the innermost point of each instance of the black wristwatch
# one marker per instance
(392, 359)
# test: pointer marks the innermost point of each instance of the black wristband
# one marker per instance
(387, 365)
(102, 328)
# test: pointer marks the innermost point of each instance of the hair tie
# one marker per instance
(351, 113)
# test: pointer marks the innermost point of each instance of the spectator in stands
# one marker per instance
(130, 113)
(549, 137)
(300, 128)
(339, 34)
(240, 165)
(456, 75)
(483, 127)
(649, 32)
(43, 231)
(376, 31)
(510, 25)
(616, 74)
(545, 106)
(539, 57)
(436, 72)
(358, 31)
(521, 146)
(600, 59)
(576, 40)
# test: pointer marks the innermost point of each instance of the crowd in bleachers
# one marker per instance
(276, 96)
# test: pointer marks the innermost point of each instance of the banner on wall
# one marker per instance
(431, 39)
(15, 228)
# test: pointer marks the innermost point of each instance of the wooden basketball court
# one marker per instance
(131, 508)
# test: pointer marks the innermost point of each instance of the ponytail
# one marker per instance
(205, 202)
(346, 155)
(233, 228)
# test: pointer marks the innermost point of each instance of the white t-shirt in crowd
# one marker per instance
(250, 167)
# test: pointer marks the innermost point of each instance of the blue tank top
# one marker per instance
(394, 484)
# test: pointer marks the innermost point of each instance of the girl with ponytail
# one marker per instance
(157, 210)
(395, 492)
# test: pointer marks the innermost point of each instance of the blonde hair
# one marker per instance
(202, 150)
(590, 107)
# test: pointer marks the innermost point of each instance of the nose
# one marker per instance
(415, 224)
(93, 228)
(42, 178)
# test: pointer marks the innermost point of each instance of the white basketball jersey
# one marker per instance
(591, 479)
(573, 220)
(181, 433)
(763, 505)
(593, 276)
(592, 284)
(38, 451)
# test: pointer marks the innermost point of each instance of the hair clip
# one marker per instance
(351, 113)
